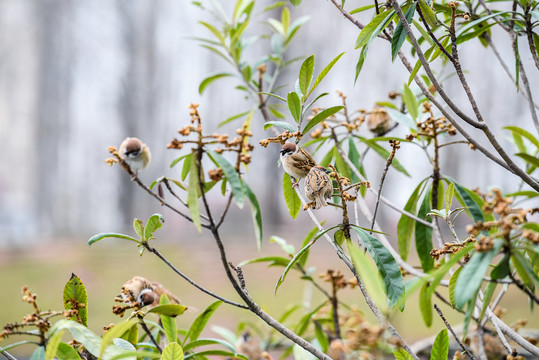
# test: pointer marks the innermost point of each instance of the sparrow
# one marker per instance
(135, 153)
(318, 187)
(249, 346)
(146, 292)
(296, 161)
(378, 121)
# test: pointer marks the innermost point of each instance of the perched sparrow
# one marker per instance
(318, 187)
(249, 346)
(145, 292)
(378, 121)
(296, 161)
(135, 153)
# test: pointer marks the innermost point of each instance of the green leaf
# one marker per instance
(452, 283)
(204, 342)
(81, 333)
(428, 14)
(400, 33)
(115, 332)
(102, 236)
(387, 266)
(214, 31)
(373, 28)
(401, 354)
(52, 345)
(255, 213)
(154, 222)
(187, 166)
(139, 228)
(306, 75)
(471, 277)
(193, 194)
(411, 102)
(66, 352)
(166, 309)
(285, 19)
(231, 175)
(208, 80)
(425, 304)
(75, 296)
(293, 203)
(38, 354)
(310, 235)
(294, 104)
(361, 9)
(173, 351)
(524, 269)
(168, 312)
(369, 274)
(322, 338)
(448, 197)
(323, 73)
(321, 116)
(470, 200)
(416, 68)
(287, 248)
(273, 261)
(440, 348)
(177, 160)
(405, 227)
(423, 234)
(234, 117)
(532, 160)
(361, 61)
(403, 119)
(200, 322)
(292, 262)
(281, 124)
(489, 291)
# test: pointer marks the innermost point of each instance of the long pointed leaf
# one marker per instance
(231, 175)
(321, 116)
(388, 267)
(256, 214)
(192, 195)
(400, 34)
(323, 73)
(306, 75)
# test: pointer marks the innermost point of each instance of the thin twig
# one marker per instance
(394, 146)
(7, 355)
(149, 333)
(521, 286)
(186, 278)
(467, 352)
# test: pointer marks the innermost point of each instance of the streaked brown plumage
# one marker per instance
(135, 153)
(146, 292)
(318, 187)
(296, 161)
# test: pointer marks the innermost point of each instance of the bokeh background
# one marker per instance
(77, 76)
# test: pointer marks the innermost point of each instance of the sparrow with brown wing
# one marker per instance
(135, 153)
(296, 161)
(145, 292)
(318, 187)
